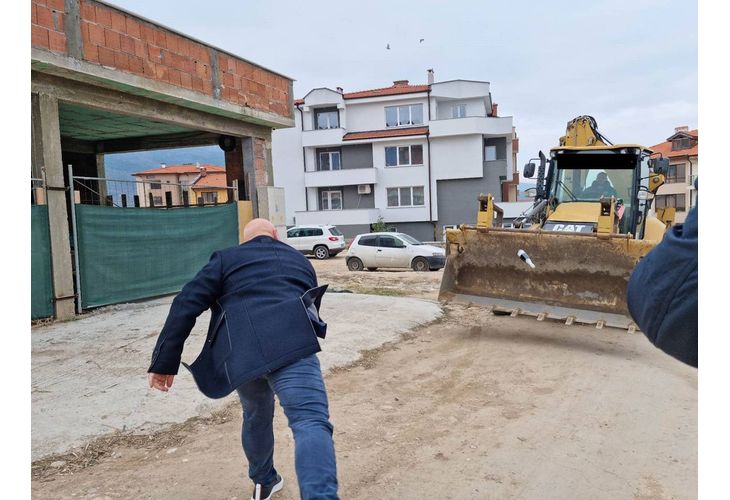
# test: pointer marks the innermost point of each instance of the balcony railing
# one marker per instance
(338, 217)
(486, 125)
(344, 177)
(322, 137)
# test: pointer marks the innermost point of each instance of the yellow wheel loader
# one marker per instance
(569, 257)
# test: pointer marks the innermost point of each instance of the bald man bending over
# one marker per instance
(262, 341)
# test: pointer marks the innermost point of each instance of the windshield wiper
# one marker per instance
(570, 193)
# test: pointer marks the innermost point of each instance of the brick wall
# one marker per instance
(46, 28)
(115, 39)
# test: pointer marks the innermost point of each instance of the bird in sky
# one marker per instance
(387, 47)
(421, 40)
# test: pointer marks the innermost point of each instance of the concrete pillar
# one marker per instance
(249, 171)
(269, 164)
(47, 143)
(36, 149)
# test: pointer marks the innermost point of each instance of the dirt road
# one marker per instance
(471, 406)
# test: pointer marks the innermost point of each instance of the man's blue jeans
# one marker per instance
(301, 392)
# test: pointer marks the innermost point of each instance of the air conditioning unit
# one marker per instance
(363, 189)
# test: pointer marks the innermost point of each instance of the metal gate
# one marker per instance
(128, 246)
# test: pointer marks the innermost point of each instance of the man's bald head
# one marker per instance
(259, 227)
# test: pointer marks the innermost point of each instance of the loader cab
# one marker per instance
(577, 179)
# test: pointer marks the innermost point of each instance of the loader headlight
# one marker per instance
(643, 195)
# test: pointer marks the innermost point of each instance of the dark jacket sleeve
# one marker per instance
(662, 292)
(196, 297)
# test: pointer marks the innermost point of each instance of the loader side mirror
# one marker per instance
(529, 170)
(659, 165)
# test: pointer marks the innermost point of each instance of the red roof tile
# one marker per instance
(392, 90)
(217, 179)
(182, 169)
(402, 87)
(665, 148)
(379, 134)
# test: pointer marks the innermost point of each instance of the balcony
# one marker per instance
(344, 177)
(322, 137)
(484, 125)
(338, 217)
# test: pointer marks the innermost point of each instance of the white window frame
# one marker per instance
(330, 154)
(397, 156)
(209, 196)
(399, 205)
(487, 150)
(458, 110)
(399, 119)
(328, 193)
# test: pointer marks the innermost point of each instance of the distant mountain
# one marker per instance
(121, 166)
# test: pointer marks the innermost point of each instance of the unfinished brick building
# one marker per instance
(105, 80)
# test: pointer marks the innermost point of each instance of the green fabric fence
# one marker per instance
(41, 280)
(130, 254)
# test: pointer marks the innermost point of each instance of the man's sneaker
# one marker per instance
(261, 492)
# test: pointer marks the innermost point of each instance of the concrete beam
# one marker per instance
(146, 143)
(45, 109)
(124, 103)
(77, 145)
(74, 69)
(167, 141)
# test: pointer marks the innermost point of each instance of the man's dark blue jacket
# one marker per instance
(264, 302)
(662, 294)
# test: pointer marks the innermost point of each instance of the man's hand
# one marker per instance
(160, 381)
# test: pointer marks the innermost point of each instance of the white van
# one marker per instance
(373, 250)
(321, 241)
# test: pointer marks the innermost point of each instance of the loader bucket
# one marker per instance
(577, 277)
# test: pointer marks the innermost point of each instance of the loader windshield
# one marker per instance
(590, 184)
(589, 176)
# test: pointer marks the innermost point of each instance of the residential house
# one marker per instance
(679, 191)
(416, 155)
(187, 184)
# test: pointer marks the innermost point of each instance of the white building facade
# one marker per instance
(679, 192)
(416, 155)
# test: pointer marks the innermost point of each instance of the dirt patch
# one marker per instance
(472, 406)
(389, 282)
(93, 452)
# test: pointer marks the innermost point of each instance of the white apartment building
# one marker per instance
(416, 155)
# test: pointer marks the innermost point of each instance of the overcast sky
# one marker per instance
(630, 64)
